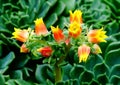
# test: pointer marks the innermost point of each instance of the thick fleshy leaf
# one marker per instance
(22, 82)
(45, 7)
(86, 76)
(93, 60)
(115, 70)
(94, 82)
(20, 61)
(51, 20)
(101, 68)
(103, 79)
(66, 71)
(112, 46)
(44, 72)
(70, 5)
(110, 27)
(2, 80)
(115, 80)
(76, 71)
(3, 29)
(59, 7)
(17, 74)
(60, 83)
(10, 82)
(5, 61)
(112, 57)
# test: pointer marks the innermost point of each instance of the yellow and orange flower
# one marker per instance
(83, 52)
(74, 29)
(45, 51)
(20, 35)
(97, 35)
(40, 28)
(24, 49)
(58, 34)
(96, 49)
(76, 16)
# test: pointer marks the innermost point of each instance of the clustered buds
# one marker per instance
(87, 41)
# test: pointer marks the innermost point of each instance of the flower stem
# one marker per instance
(58, 75)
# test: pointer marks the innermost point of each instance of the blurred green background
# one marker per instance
(19, 69)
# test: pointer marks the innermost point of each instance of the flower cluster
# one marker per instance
(76, 35)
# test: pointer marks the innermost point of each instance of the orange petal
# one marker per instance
(40, 28)
(57, 33)
(24, 49)
(83, 52)
(20, 35)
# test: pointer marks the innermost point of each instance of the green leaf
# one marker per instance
(75, 82)
(86, 76)
(10, 82)
(66, 71)
(44, 9)
(62, 22)
(94, 82)
(8, 40)
(103, 79)
(2, 80)
(112, 57)
(76, 71)
(3, 29)
(70, 5)
(22, 4)
(112, 27)
(49, 82)
(44, 72)
(2, 70)
(115, 80)
(5, 61)
(101, 68)
(52, 2)
(93, 60)
(59, 8)
(60, 83)
(21, 61)
(116, 36)
(22, 82)
(51, 20)
(115, 70)
(113, 46)
(17, 74)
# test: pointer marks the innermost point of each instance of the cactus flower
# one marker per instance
(20, 35)
(45, 51)
(97, 35)
(74, 29)
(76, 16)
(40, 28)
(24, 49)
(58, 34)
(96, 49)
(83, 52)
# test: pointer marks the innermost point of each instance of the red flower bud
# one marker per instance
(45, 51)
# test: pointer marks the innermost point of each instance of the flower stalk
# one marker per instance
(58, 70)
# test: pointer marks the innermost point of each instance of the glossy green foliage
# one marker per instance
(19, 69)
